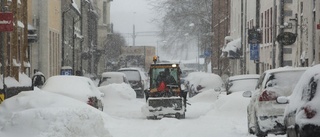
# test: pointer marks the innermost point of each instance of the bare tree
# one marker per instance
(183, 21)
(113, 50)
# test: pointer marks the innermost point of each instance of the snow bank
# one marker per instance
(10, 82)
(207, 80)
(205, 96)
(201, 103)
(120, 101)
(232, 103)
(118, 92)
(77, 87)
(43, 114)
(24, 81)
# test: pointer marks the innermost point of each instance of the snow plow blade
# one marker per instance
(166, 106)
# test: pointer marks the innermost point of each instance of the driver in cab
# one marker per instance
(163, 79)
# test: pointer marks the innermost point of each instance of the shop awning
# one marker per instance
(233, 49)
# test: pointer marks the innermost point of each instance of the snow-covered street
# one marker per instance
(42, 114)
(211, 114)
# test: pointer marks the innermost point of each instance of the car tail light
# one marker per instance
(268, 96)
(309, 112)
(199, 87)
(91, 101)
(135, 83)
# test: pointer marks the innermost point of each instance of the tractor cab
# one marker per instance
(165, 96)
(164, 78)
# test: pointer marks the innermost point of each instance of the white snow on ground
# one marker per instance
(43, 114)
(120, 101)
(210, 114)
(25, 81)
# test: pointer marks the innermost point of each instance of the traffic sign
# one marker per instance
(286, 38)
(254, 51)
(207, 53)
(254, 36)
(66, 71)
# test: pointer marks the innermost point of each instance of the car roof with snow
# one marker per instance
(300, 91)
(131, 68)
(248, 76)
(209, 80)
(287, 68)
(111, 74)
(140, 70)
(73, 86)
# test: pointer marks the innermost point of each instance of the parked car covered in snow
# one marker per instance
(241, 83)
(185, 72)
(137, 79)
(302, 117)
(264, 114)
(197, 82)
(77, 87)
(112, 78)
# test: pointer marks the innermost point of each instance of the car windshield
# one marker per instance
(283, 82)
(186, 72)
(110, 80)
(158, 72)
(247, 84)
(132, 75)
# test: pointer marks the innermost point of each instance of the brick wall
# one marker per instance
(221, 29)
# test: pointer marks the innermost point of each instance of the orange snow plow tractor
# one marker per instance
(165, 96)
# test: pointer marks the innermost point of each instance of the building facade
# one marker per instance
(306, 22)
(220, 29)
(273, 19)
(104, 30)
(70, 34)
(235, 39)
(14, 59)
(45, 52)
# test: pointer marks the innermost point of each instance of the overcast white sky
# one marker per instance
(125, 13)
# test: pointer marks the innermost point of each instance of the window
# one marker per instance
(271, 27)
(19, 48)
(268, 25)
(301, 7)
(265, 27)
(262, 28)
(104, 12)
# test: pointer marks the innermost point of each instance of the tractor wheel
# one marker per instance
(180, 116)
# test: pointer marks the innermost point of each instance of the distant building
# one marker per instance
(137, 56)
